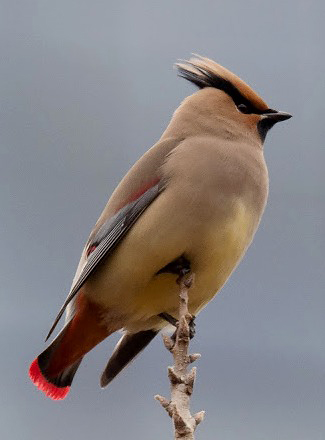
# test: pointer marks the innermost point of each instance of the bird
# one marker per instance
(192, 202)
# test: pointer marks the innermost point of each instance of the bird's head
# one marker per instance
(237, 100)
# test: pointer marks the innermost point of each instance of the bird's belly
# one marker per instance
(213, 258)
(128, 287)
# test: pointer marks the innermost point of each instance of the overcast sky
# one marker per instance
(86, 88)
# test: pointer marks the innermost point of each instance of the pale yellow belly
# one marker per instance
(213, 259)
(136, 295)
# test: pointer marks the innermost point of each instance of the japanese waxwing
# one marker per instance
(191, 202)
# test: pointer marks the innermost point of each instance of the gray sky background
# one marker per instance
(86, 88)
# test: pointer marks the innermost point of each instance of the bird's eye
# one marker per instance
(244, 109)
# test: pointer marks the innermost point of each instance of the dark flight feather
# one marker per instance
(110, 234)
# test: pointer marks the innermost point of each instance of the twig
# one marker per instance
(181, 381)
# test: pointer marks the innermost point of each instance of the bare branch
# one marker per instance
(182, 381)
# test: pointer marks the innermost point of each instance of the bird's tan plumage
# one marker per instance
(214, 184)
(216, 189)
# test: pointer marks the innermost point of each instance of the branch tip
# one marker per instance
(165, 403)
(174, 377)
(162, 400)
(193, 357)
(199, 417)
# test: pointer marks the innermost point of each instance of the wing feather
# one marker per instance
(107, 238)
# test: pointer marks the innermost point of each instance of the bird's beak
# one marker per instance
(268, 118)
(275, 116)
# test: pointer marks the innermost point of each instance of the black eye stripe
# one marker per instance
(203, 78)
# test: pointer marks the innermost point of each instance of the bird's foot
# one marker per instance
(173, 321)
(192, 326)
(181, 267)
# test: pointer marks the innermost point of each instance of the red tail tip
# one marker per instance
(49, 389)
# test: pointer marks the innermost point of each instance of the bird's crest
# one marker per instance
(204, 72)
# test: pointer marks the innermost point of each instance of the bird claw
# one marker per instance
(171, 320)
(192, 326)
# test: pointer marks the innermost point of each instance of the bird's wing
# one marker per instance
(107, 237)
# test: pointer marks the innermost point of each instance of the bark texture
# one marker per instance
(182, 380)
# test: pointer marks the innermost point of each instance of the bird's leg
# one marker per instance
(191, 325)
(171, 320)
(180, 266)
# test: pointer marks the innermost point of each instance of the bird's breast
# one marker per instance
(219, 251)
(208, 212)
(214, 249)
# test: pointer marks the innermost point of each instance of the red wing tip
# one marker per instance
(48, 388)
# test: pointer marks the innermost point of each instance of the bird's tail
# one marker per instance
(53, 370)
(128, 347)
